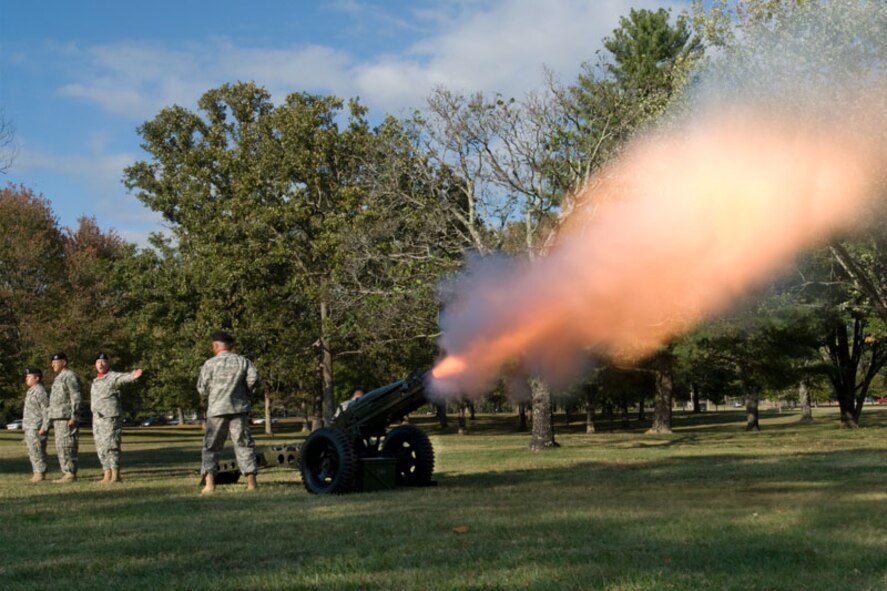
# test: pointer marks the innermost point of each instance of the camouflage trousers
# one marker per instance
(36, 445)
(106, 432)
(67, 440)
(217, 430)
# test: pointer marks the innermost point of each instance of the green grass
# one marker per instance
(709, 507)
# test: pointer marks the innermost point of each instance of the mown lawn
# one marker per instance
(709, 507)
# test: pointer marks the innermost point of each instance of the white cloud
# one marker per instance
(100, 176)
(137, 80)
(498, 46)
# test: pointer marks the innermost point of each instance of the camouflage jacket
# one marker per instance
(64, 398)
(226, 383)
(104, 396)
(36, 414)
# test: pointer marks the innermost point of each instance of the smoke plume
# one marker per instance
(775, 147)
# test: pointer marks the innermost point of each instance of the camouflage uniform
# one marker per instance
(225, 385)
(34, 420)
(107, 422)
(64, 404)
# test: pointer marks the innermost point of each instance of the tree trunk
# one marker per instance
(463, 426)
(590, 399)
(804, 397)
(752, 397)
(180, 414)
(663, 367)
(306, 420)
(329, 401)
(848, 412)
(522, 416)
(694, 394)
(642, 414)
(626, 422)
(441, 408)
(268, 430)
(543, 430)
(472, 412)
(317, 419)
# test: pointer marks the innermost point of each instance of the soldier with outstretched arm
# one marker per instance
(226, 383)
(35, 421)
(64, 412)
(107, 415)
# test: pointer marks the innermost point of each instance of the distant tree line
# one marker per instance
(320, 240)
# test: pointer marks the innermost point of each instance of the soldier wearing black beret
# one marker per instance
(226, 383)
(64, 411)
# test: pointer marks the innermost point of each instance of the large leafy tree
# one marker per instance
(297, 227)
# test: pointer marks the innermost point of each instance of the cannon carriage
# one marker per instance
(340, 458)
(358, 451)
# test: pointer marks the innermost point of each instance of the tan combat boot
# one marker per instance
(115, 475)
(210, 486)
(250, 482)
(66, 477)
(38, 476)
(106, 478)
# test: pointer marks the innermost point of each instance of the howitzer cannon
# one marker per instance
(334, 459)
(341, 458)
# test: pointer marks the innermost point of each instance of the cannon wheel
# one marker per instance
(412, 449)
(329, 463)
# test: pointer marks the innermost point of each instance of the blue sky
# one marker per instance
(78, 78)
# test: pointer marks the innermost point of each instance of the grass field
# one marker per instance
(709, 507)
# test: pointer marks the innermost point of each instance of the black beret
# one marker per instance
(222, 337)
(59, 357)
(34, 371)
(102, 355)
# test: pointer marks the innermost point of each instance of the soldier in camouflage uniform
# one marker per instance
(64, 411)
(35, 422)
(107, 419)
(226, 383)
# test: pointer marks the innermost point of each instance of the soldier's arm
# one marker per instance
(43, 399)
(252, 378)
(76, 398)
(128, 378)
(203, 384)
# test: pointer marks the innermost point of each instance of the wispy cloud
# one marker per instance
(493, 47)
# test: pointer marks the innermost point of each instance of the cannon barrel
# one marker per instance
(370, 415)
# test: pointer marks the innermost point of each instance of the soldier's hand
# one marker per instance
(72, 422)
(137, 373)
(41, 432)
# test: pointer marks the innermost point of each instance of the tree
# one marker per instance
(649, 53)
(31, 281)
(7, 143)
(299, 229)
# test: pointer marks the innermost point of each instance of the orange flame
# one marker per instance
(448, 367)
(674, 230)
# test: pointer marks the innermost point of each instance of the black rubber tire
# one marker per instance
(328, 464)
(412, 449)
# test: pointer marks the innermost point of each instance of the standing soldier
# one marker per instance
(226, 383)
(64, 410)
(35, 422)
(107, 419)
